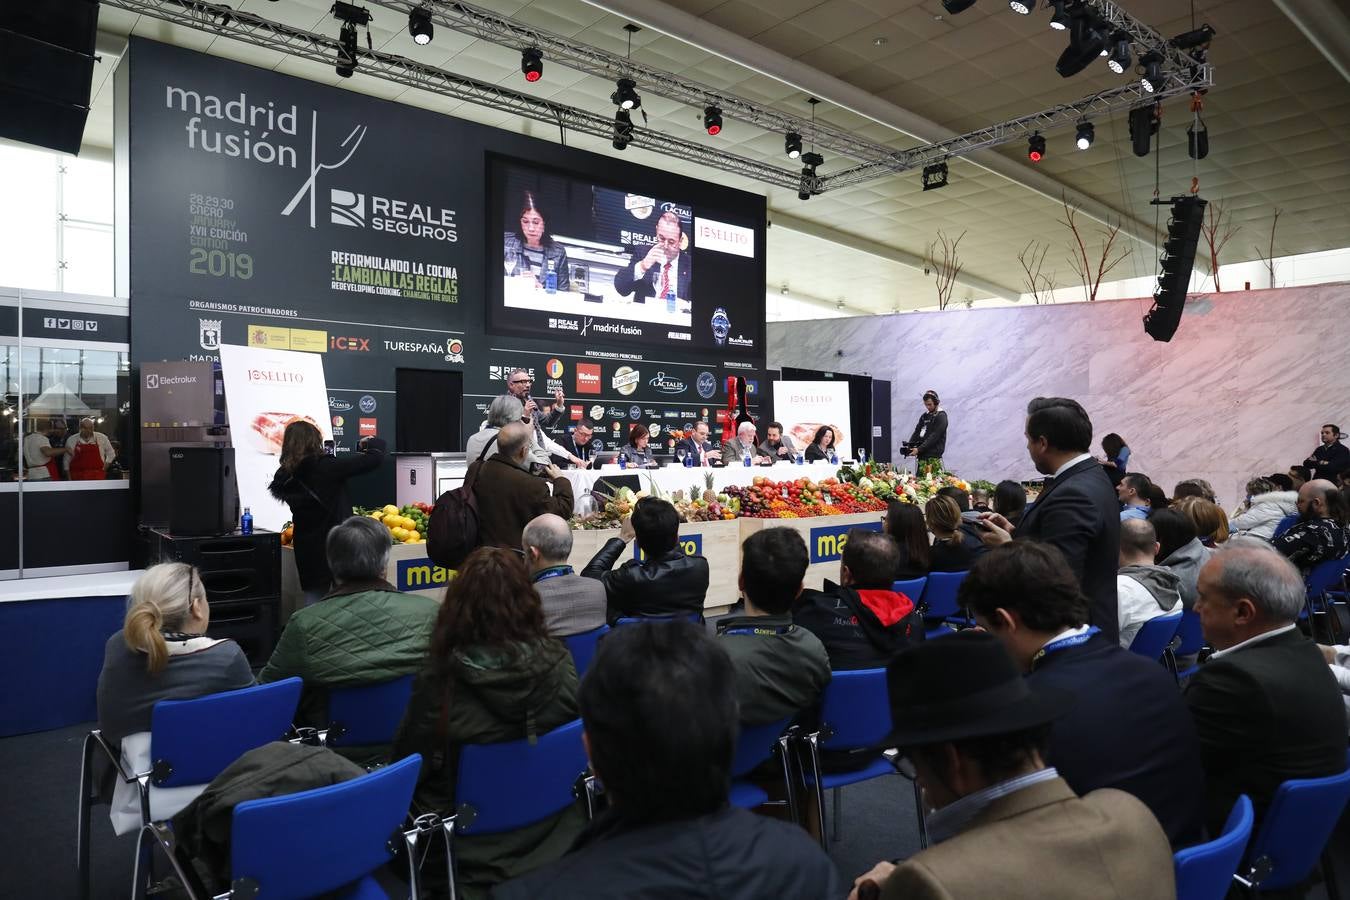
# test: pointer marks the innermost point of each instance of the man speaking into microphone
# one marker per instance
(518, 384)
(663, 270)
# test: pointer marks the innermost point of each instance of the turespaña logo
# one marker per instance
(706, 385)
(454, 350)
(554, 368)
(634, 412)
(626, 380)
(366, 403)
(667, 384)
(208, 333)
(347, 208)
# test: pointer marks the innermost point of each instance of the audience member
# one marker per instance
(861, 621)
(1157, 498)
(1133, 492)
(1209, 519)
(1116, 455)
(1266, 505)
(1010, 499)
(1127, 727)
(979, 500)
(904, 523)
(1002, 823)
(1266, 705)
(1338, 658)
(1328, 461)
(1145, 590)
(949, 552)
(502, 411)
(659, 709)
(1319, 534)
(780, 668)
(364, 631)
(493, 674)
(1282, 482)
(1299, 476)
(509, 496)
(572, 604)
(665, 581)
(1179, 550)
(1194, 487)
(1077, 511)
(968, 530)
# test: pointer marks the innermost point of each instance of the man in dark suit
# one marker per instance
(663, 268)
(1077, 511)
(509, 496)
(699, 447)
(578, 445)
(1128, 727)
(1266, 705)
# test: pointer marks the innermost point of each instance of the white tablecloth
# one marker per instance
(678, 478)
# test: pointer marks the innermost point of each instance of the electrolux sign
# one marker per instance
(827, 543)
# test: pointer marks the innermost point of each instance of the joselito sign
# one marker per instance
(724, 238)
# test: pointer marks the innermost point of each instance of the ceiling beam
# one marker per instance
(884, 251)
(1326, 26)
(744, 52)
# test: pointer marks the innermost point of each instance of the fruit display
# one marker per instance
(287, 534)
(617, 506)
(406, 526)
(804, 498)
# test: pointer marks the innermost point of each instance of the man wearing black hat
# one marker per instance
(1002, 823)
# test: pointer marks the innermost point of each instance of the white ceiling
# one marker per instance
(1279, 122)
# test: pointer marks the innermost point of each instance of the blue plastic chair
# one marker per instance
(913, 588)
(1285, 524)
(321, 841)
(191, 742)
(1295, 831)
(1324, 577)
(855, 714)
(366, 714)
(582, 647)
(1189, 641)
(1156, 636)
(1205, 871)
(696, 618)
(939, 602)
(755, 745)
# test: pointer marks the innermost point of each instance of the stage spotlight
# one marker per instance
(811, 160)
(1036, 147)
(712, 120)
(957, 6)
(935, 176)
(626, 96)
(1152, 77)
(1086, 132)
(623, 129)
(346, 62)
(1086, 42)
(1060, 20)
(420, 27)
(1120, 53)
(1022, 7)
(792, 145)
(1192, 39)
(532, 64)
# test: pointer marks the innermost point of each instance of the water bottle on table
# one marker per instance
(623, 460)
(670, 302)
(745, 457)
(246, 522)
(551, 279)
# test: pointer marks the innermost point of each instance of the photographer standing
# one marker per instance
(929, 440)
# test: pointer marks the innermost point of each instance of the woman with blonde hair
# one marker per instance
(1209, 519)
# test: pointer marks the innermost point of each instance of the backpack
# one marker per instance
(452, 533)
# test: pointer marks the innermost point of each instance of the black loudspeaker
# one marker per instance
(46, 66)
(201, 485)
(1169, 298)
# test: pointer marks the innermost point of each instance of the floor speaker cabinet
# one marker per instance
(201, 482)
(46, 69)
(242, 577)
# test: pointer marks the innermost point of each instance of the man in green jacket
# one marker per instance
(780, 668)
(363, 632)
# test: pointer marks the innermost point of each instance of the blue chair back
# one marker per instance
(1325, 576)
(1152, 639)
(696, 618)
(939, 593)
(365, 714)
(1285, 524)
(1192, 638)
(192, 741)
(313, 842)
(855, 710)
(582, 647)
(516, 783)
(1205, 871)
(1297, 826)
(913, 588)
(755, 745)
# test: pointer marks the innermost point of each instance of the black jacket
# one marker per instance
(1266, 713)
(1080, 514)
(1329, 460)
(1128, 728)
(569, 443)
(861, 629)
(671, 584)
(691, 448)
(930, 435)
(732, 854)
(317, 495)
(626, 281)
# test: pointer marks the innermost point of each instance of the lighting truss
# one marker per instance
(252, 29)
(1145, 38)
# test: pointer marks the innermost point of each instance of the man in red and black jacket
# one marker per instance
(861, 622)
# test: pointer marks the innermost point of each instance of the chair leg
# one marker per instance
(837, 815)
(789, 784)
(82, 818)
(448, 831)
(814, 751)
(1329, 876)
(922, 819)
(140, 874)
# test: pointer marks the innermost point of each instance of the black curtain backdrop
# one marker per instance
(428, 404)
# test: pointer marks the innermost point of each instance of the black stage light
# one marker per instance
(1060, 20)
(1143, 125)
(1120, 53)
(1086, 132)
(626, 96)
(811, 160)
(419, 26)
(1022, 7)
(935, 176)
(346, 61)
(1169, 297)
(792, 145)
(1192, 39)
(623, 129)
(1197, 141)
(532, 64)
(1036, 147)
(1152, 77)
(957, 6)
(1086, 42)
(712, 120)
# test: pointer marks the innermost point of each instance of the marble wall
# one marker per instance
(1242, 388)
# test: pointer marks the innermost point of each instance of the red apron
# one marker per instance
(87, 463)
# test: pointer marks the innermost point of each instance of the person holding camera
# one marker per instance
(929, 440)
(509, 495)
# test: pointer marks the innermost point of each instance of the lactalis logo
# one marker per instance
(347, 208)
